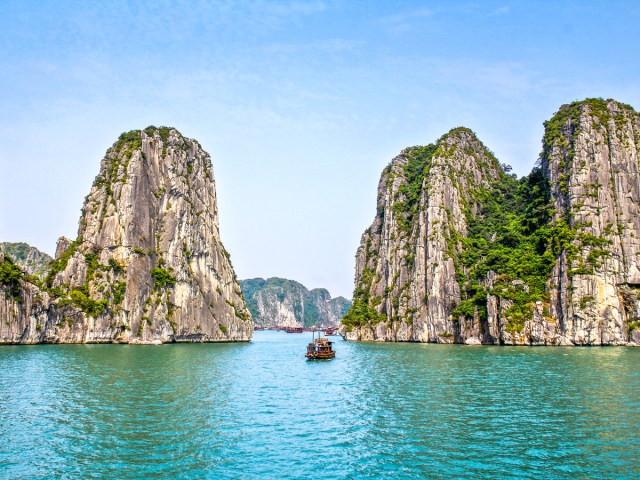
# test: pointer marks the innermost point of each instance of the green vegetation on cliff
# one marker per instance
(566, 119)
(362, 311)
(10, 276)
(60, 264)
(162, 277)
(29, 258)
(415, 171)
(275, 300)
(509, 235)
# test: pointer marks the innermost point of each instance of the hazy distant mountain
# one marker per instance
(27, 257)
(277, 301)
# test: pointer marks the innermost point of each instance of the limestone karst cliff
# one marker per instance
(282, 302)
(590, 158)
(147, 265)
(462, 251)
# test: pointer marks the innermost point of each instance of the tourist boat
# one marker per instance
(320, 349)
(330, 331)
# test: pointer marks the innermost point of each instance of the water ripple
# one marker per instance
(261, 411)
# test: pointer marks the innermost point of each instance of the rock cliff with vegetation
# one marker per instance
(29, 258)
(147, 265)
(462, 251)
(281, 302)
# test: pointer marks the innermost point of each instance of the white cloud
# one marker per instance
(287, 9)
(499, 11)
(405, 16)
(402, 22)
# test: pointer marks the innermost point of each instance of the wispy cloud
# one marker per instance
(406, 16)
(499, 11)
(330, 46)
(286, 9)
(499, 79)
(404, 21)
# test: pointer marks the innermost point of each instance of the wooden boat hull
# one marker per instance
(320, 356)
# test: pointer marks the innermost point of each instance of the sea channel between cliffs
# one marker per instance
(460, 250)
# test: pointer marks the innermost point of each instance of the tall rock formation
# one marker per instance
(148, 265)
(461, 251)
(591, 155)
(405, 266)
(281, 302)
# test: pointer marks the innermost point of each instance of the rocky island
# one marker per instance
(147, 265)
(280, 302)
(462, 251)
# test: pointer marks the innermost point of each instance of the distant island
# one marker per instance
(30, 259)
(280, 302)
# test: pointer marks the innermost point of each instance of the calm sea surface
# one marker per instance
(260, 410)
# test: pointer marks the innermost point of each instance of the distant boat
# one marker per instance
(329, 331)
(293, 329)
(320, 349)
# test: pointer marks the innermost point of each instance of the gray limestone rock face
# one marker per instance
(405, 276)
(30, 315)
(148, 265)
(591, 160)
(410, 271)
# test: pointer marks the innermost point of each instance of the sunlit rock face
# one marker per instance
(148, 265)
(461, 251)
(591, 160)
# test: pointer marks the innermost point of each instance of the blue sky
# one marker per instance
(300, 104)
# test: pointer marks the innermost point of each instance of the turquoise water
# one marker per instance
(259, 410)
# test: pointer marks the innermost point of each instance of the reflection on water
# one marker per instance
(260, 410)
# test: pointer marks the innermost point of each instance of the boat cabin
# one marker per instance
(320, 349)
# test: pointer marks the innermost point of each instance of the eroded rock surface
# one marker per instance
(148, 265)
(462, 251)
